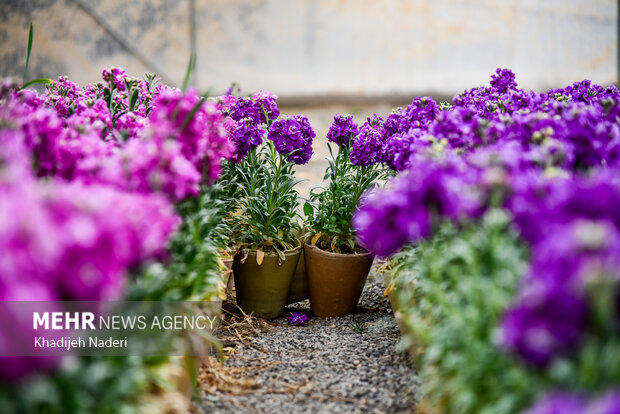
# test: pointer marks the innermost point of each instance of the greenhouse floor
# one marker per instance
(349, 364)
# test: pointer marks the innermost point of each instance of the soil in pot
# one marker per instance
(335, 281)
(262, 289)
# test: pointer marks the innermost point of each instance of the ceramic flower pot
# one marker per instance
(299, 285)
(335, 280)
(262, 289)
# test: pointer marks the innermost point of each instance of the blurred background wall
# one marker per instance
(321, 57)
(318, 50)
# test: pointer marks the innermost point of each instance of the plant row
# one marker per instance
(503, 228)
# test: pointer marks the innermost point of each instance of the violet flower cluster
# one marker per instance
(367, 147)
(574, 231)
(298, 319)
(389, 219)
(342, 130)
(250, 116)
(552, 161)
(564, 403)
(292, 136)
(498, 141)
(390, 141)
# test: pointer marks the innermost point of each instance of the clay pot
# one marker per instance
(262, 289)
(299, 284)
(335, 280)
(228, 277)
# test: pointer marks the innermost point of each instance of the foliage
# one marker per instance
(452, 291)
(258, 184)
(355, 168)
(266, 214)
(191, 271)
(551, 160)
(98, 385)
(330, 209)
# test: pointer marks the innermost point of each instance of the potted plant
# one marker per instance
(336, 265)
(265, 218)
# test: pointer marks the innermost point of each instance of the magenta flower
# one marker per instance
(115, 77)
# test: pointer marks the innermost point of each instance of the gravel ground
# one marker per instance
(333, 365)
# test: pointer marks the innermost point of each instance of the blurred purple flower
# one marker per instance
(503, 80)
(559, 403)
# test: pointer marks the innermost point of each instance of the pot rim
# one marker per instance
(342, 255)
(286, 252)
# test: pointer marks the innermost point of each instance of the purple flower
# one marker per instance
(265, 103)
(260, 108)
(115, 77)
(342, 130)
(544, 324)
(131, 123)
(503, 80)
(399, 148)
(367, 148)
(609, 403)
(298, 319)
(201, 133)
(246, 136)
(292, 137)
(559, 403)
(404, 213)
(145, 166)
(458, 126)
(569, 254)
(565, 403)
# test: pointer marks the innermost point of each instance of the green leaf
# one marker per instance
(107, 96)
(191, 370)
(28, 51)
(37, 81)
(308, 209)
(188, 73)
(133, 100)
(280, 253)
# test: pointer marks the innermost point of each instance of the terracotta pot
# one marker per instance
(335, 281)
(228, 277)
(262, 289)
(299, 285)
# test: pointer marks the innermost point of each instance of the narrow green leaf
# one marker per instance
(191, 370)
(36, 81)
(207, 93)
(190, 69)
(107, 96)
(191, 114)
(280, 253)
(133, 100)
(28, 51)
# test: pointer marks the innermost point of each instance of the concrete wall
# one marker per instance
(306, 48)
